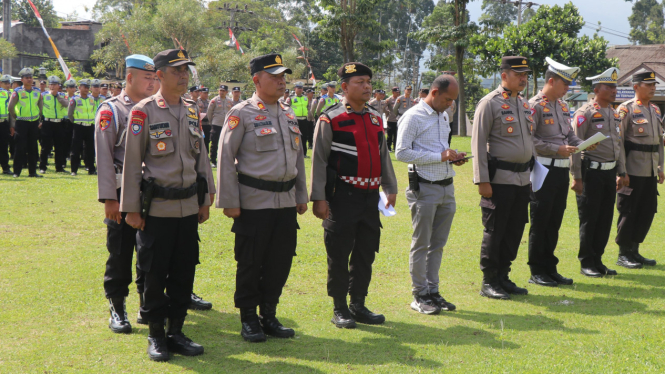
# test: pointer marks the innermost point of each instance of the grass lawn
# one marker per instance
(53, 314)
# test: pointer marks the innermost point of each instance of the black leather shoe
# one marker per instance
(342, 319)
(118, 322)
(441, 302)
(139, 318)
(591, 272)
(361, 314)
(270, 323)
(177, 342)
(510, 287)
(543, 280)
(35, 176)
(641, 259)
(251, 328)
(157, 347)
(199, 304)
(493, 290)
(628, 262)
(605, 270)
(7, 171)
(560, 279)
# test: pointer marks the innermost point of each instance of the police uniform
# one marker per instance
(551, 129)
(205, 122)
(110, 137)
(82, 112)
(99, 99)
(25, 109)
(166, 174)
(402, 104)
(234, 102)
(300, 105)
(392, 120)
(642, 129)
(216, 114)
(598, 170)
(261, 170)
(285, 100)
(504, 153)
(4, 125)
(52, 130)
(67, 123)
(327, 100)
(378, 105)
(350, 161)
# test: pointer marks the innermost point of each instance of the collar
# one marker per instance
(349, 109)
(427, 108)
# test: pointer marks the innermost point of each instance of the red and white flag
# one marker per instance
(235, 41)
(195, 73)
(57, 54)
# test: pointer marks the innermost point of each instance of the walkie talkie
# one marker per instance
(413, 178)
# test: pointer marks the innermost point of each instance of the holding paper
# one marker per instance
(596, 138)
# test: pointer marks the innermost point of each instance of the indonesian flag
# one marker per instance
(302, 49)
(298, 40)
(57, 54)
(195, 73)
(235, 41)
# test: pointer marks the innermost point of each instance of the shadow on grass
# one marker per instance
(532, 322)
(622, 292)
(646, 279)
(596, 306)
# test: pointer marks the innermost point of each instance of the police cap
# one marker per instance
(172, 57)
(223, 87)
(270, 63)
(353, 69)
(515, 63)
(645, 77)
(25, 72)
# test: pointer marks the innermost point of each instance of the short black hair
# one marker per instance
(442, 82)
(550, 74)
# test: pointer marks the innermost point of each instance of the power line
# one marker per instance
(607, 32)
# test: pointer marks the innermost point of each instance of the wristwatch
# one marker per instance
(622, 175)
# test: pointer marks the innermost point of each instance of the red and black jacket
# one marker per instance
(355, 150)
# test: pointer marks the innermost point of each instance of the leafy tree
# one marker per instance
(21, 10)
(7, 49)
(647, 22)
(496, 16)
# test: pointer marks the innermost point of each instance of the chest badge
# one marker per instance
(260, 117)
(290, 116)
(599, 125)
(266, 131)
(510, 119)
(161, 146)
(510, 130)
(597, 115)
(637, 111)
(546, 110)
(505, 106)
(374, 119)
(525, 105)
(640, 130)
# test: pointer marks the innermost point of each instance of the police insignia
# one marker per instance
(599, 126)
(161, 146)
(531, 128)
(617, 115)
(597, 115)
(542, 103)
(278, 59)
(505, 95)
(261, 106)
(161, 103)
(167, 133)
(580, 120)
(530, 118)
(191, 110)
(259, 118)
(350, 69)
(525, 105)
(181, 55)
(596, 106)
(637, 111)
(638, 102)
(640, 130)
(505, 106)
(533, 112)
(137, 122)
(196, 144)
(510, 130)
(295, 129)
(374, 119)
(546, 110)
(105, 117)
(233, 122)
(297, 140)
(324, 119)
(266, 131)
(641, 121)
(510, 119)
(290, 116)
(127, 99)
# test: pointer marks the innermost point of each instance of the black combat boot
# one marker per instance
(157, 347)
(251, 328)
(118, 321)
(140, 319)
(626, 258)
(492, 287)
(361, 314)
(510, 286)
(177, 342)
(199, 304)
(639, 258)
(270, 323)
(342, 317)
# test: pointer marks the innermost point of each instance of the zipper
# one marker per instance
(369, 151)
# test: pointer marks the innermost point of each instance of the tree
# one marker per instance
(496, 16)
(7, 49)
(647, 22)
(21, 10)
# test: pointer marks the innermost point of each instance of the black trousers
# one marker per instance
(167, 254)
(4, 145)
(83, 134)
(53, 136)
(206, 132)
(352, 229)
(392, 135)
(636, 210)
(265, 244)
(547, 208)
(120, 242)
(305, 129)
(595, 207)
(504, 217)
(215, 131)
(26, 138)
(68, 138)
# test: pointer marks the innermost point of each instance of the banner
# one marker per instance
(57, 54)
(235, 41)
(302, 49)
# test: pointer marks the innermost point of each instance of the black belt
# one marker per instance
(443, 182)
(266, 185)
(513, 166)
(173, 193)
(630, 146)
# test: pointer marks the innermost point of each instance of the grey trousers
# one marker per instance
(432, 211)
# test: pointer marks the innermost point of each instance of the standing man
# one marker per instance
(203, 104)
(25, 110)
(392, 119)
(217, 110)
(300, 104)
(82, 110)
(105, 89)
(329, 99)
(286, 100)
(5, 83)
(350, 160)
(642, 129)
(422, 94)
(403, 103)
(165, 161)
(42, 86)
(110, 136)
(377, 103)
(598, 174)
(422, 141)
(53, 131)
(235, 96)
(504, 155)
(96, 92)
(262, 185)
(68, 125)
(311, 107)
(555, 141)
(117, 88)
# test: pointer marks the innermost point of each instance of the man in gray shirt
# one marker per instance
(422, 141)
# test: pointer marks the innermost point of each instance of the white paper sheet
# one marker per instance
(597, 137)
(382, 206)
(538, 175)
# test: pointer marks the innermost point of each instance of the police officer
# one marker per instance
(403, 103)
(328, 99)
(286, 100)
(96, 92)
(300, 104)
(235, 96)
(25, 110)
(68, 125)
(42, 85)
(194, 93)
(595, 172)
(642, 129)
(52, 128)
(163, 134)
(110, 135)
(350, 161)
(311, 107)
(117, 88)
(82, 110)
(105, 90)
(203, 104)
(217, 110)
(5, 82)
(555, 141)
(377, 103)
(504, 154)
(392, 119)
(421, 95)
(262, 192)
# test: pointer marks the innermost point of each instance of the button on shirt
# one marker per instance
(422, 135)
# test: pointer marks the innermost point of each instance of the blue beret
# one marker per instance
(140, 62)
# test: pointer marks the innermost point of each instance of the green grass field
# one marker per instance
(53, 314)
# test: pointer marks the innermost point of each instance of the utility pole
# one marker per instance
(228, 7)
(6, 30)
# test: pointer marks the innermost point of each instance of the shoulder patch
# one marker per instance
(290, 116)
(580, 120)
(161, 103)
(233, 122)
(324, 119)
(105, 117)
(137, 121)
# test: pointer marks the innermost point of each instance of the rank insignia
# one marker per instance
(597, 115)
(105, 117)
(162, 104)
(505, 95)
(542, 103)
(137, 122)
(260, 118)
(374, 119)
(596, 106)
(638, 102)
(530, 118)
(324, 119)
(637, 111)
(580, 120)
(350, 68)
(531, 128)
(196, 144)
(510, 130)
(505, 106)
(261, 106)
(546, 110)
(290, 116)
(161, 146)
(640, 130)
(510, 119)
(525, 105)
(266, 131)
(233, 122)
(641, 121)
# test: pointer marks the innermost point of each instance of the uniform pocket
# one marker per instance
(113, 236)
(161, 142)
(640, 127)
(266, 139)
(488, 208)
(195, 139)
(244, 242)
(144, 250)
(295, 137)
(509, 125)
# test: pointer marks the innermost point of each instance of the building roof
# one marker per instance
(656, 67)
(632, 56)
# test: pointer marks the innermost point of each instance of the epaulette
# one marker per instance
(334, 106)
(192, 102)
